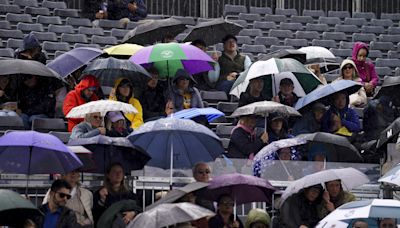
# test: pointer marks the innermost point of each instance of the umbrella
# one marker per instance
(71, 61)
(350, 178)
(31, 152)
(154, 31)
(169, 214)
(392, 176)
(123, 50)
(108, 216)
(390, 87)
(340, 147)
(170, 57)
(14, 209)
(177, 143)
(210, 113)
(264, 108)
(286, 53)
(175, 194)
(322, 56)
(110, 69)
(106, 150)
(376, 208)
(325, 91)
(332, 224)
(268, 153)
(215, 29)
(273, 71)
(31, 67)
(102, 106)
(85, 156)
(391, 132)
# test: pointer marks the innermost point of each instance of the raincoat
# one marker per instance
(366, 70)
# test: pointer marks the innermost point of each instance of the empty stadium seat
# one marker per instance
(355, 21)
(78, 22)
(264, 25)
(296, 42)
(23, 3)
(393, 30)
(286, 12)
(392, 63)
(391, 16)
(5, 33)
(290, 26)
(250, 32)
(243, 40)
(364, 37)
(15, 43)
(5, 2)
(91, 31)
(329, 20)
(339, 14)
(42, 36)
(254, 48)
(234, 9)
(30, 27)
(260, 10)
(385, 46)
(301, 19)
(61, 135)
(317, 27)
(382, 22)
(74, 38)
(37, 11)
(346, 28)
(338, 36)
(383, 71)
(267, 41)
(55, 20)
(280, 33)
(224, 130)
(5, 25)
(389, 38)
(119, 33)
(397, 71)
(373, 29)
(58, 53)
(343, 53)
(366, 15)
(9, 9)
(275, 18)
(61, 29)
(103, 23)
(309, 35)
(278, 47)
(249, 17)
(11, 122)
(66, 12)
(48, 124)
(324, 43)
(375, 54)
(87, 45)
(7, 52)
(55, 46)
(104, 40)
(213, 96)
(12, 17)
(54, 5)
(393, 54)
(346, 45)
(314, 13)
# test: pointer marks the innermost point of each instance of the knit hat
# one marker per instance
(30, 42)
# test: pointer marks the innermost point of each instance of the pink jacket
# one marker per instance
(366, 70)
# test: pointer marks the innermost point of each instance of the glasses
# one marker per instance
(204, 172)
(96, 117)
(64, 195)
(348, 67)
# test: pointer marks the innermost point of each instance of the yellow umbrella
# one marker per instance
(123, 49)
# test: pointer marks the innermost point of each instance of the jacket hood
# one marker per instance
(87, 82)
(356, 48)
(118, 83)
(349, 61)
(181, 73)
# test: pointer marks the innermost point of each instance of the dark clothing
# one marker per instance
(118, 9)
(114, 133)
(203, 83)
(375, 120)
(246, 98)
(218, 222)
(229, 65)
(9, 93)
(288, 101)
(40, 57)
(153, 102)
(205, 203)
(90, 8)
(348, 116)
(297, 211)
(242, 144)
(307, 124)
(66, 219)
(36, 100)
(99, 208)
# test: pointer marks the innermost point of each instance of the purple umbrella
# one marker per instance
(31, 152)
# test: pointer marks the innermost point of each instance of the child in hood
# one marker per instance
(366, 70)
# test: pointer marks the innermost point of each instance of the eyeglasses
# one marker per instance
(207, 171)
(64, 195)
(96, 117)
(348, 67)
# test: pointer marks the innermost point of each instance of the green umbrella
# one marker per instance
(108, 216)
(272, 71)
(14, 209)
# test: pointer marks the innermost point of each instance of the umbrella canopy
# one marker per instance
(238, 186)
(169, 214)
(286, 53)
(108, 216)
(106, 150)
(316, 52)
(102, 106)
(154, 31)
(85, 156)
(215, 29)
(350, 178)
(391, 132)
(325, 91)
(14, 209)
(31, 67)
(332, 224)
(264, 108)
(175, 194)
(170, 57)
(390, 87)
(108, 70)
(210, 113)
(273, 71)
(122, 50)
(31, 152)
(392, 176)
(339, 148)
(71, 61)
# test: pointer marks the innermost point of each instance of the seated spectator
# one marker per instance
(310, 122)
(348, 71)
(319, 154)
(90, 127)
(316, 69)
(277, 128)
(366, 70)
(126, 10)
(94, 9)
(113, 190)
(83, 93)
(340, 119)
(300, 209)
(203, 79)
(7, 89)
(182, 94)
(360, 223)
(387, 223)
(224, 216)
(56, 214)
(254, 92)
(257, 218)
(32, 50)
(153, 97)
(116, 125)
(333, 197)
(286, 95)
(245, 142)
(231, 64)
(123, 91)
(81, 201)
(201, 173)
(34, 100)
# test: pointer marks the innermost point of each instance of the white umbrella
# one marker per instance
(350, 178)
(264, 108)
(322, 56)
(392, 176)
(169, 214)
(332, 224)
(102, 106)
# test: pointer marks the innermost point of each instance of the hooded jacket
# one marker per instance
(360, 97)
(366, 70)
(257, 215)
(75, 98)
(136, 119)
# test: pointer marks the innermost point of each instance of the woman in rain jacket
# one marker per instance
(366, 70)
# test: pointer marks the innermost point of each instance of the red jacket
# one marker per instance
(74, 98)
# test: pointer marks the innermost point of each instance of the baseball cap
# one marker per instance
(115, 116)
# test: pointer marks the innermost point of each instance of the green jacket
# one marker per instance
(344, 197)
(229, 65)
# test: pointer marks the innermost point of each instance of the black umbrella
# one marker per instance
(391, 132)
(19, 66)
(340, 149)
(107, 150)
(286, 53)
(212, 32)
(154, 31)
(391, 88)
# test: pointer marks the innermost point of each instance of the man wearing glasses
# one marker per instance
(201, 173)
(55, 212)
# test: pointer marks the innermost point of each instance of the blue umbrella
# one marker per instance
(210, 113)
(177, 143)
(71, 61)
(325, 91)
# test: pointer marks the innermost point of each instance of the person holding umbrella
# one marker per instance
(224, 216)
(286, 95)
(83, 93)
(90, 127)
(254, 92)
(123, 91)
(310, 122)
(277, 128)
